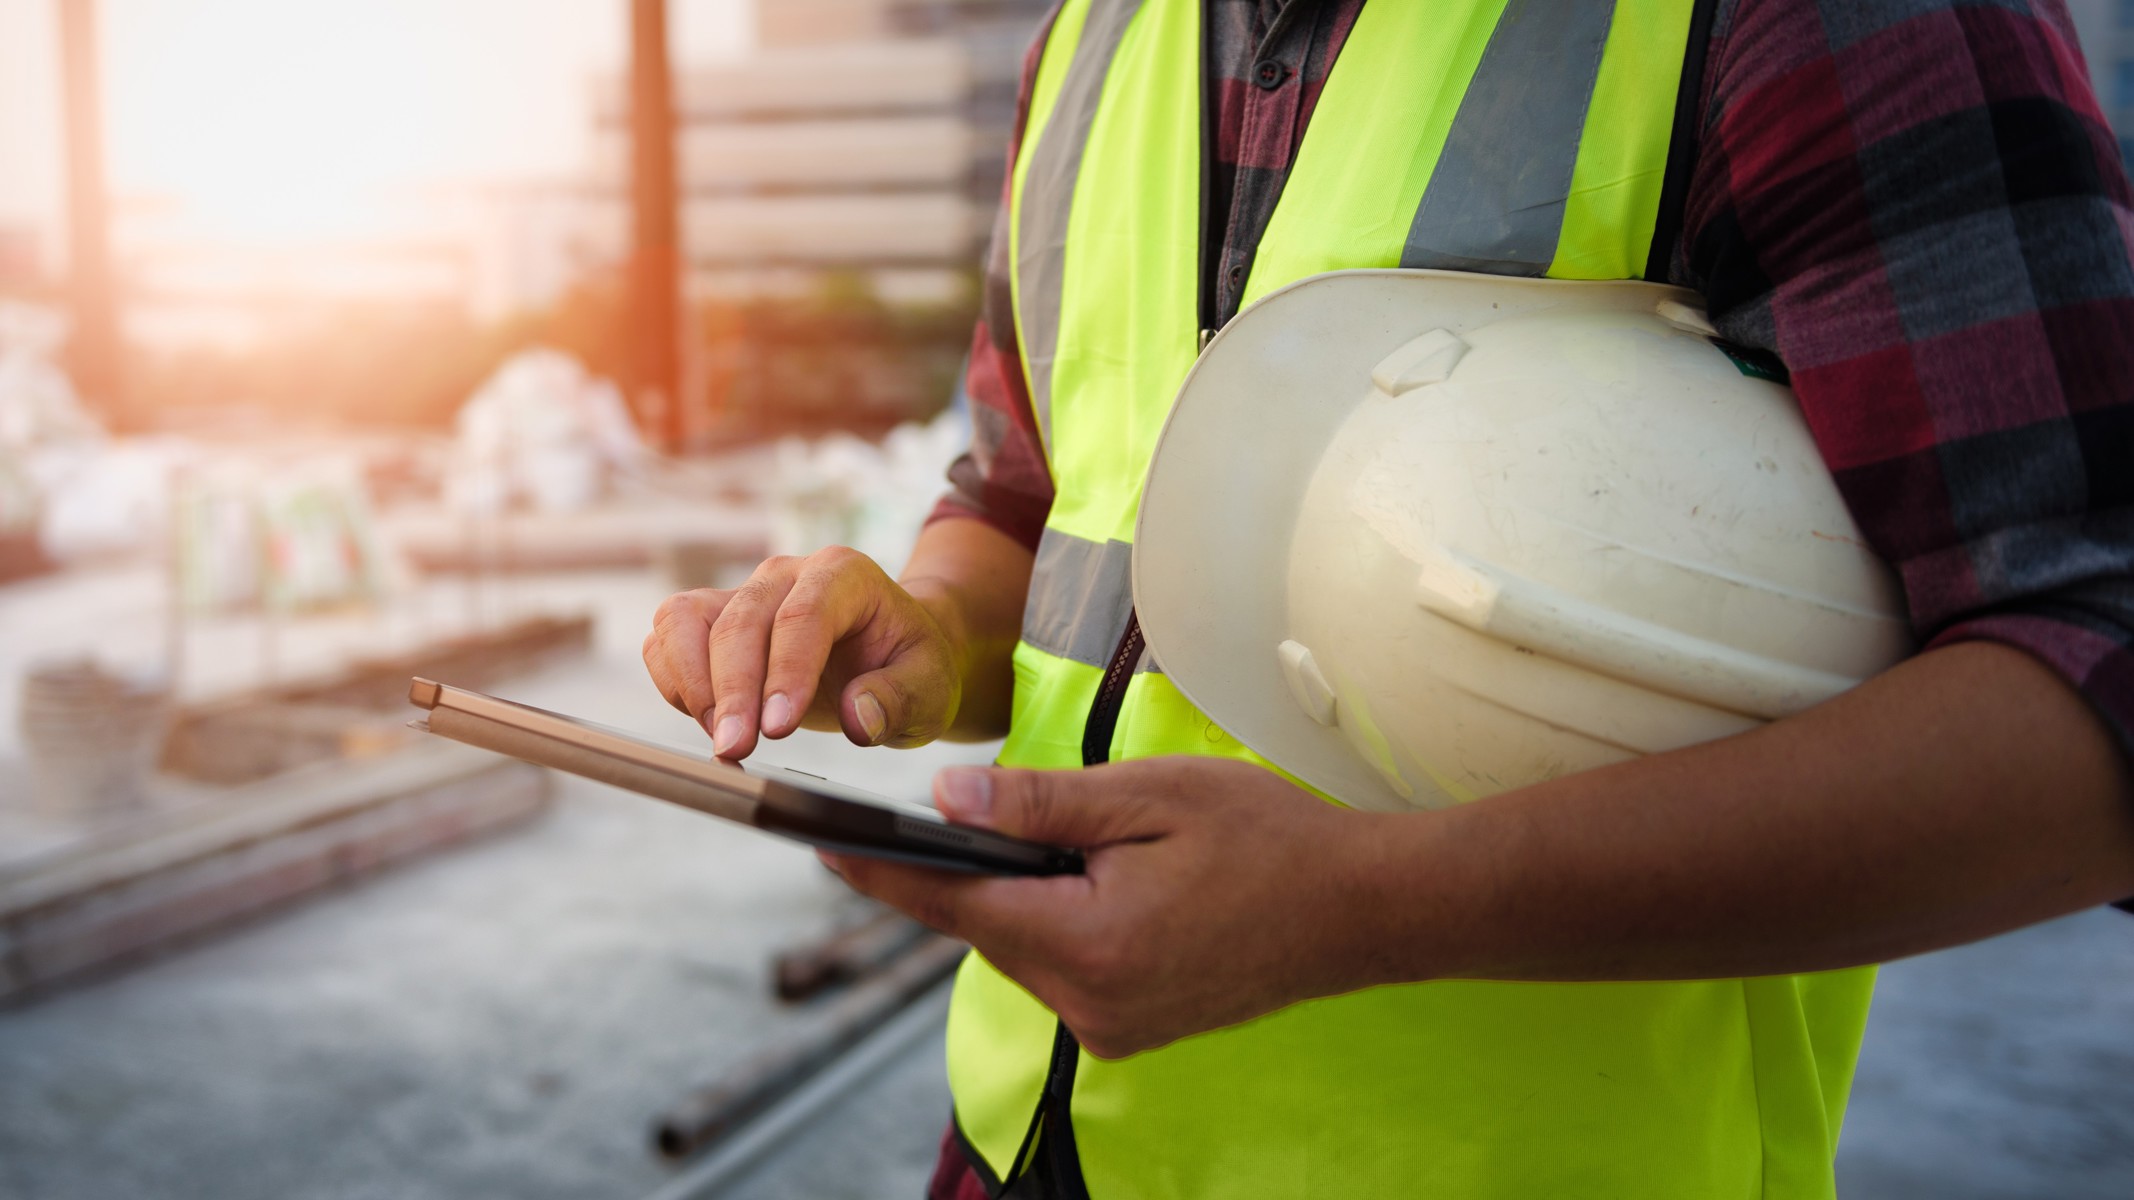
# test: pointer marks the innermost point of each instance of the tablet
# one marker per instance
(792, 804)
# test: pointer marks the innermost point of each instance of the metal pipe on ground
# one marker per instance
(715, 1111)
(800, 1114)
(844, 957)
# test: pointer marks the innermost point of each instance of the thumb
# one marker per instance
(907, 703)
(1083, 808)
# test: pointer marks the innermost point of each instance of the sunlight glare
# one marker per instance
(283, 120)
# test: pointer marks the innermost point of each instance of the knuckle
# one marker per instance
(668, 625)
(758, 592)
(799, 612)
(731, 635)
(747, 610)
(892, 693)
(681, 608)
(1039, 803)
(906, 710)
(666, 610)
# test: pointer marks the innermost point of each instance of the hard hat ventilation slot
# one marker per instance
(1426, 360)
(1307, 683)
(1686, 317)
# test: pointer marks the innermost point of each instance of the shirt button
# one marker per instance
(1237, 274)
(1268, 73)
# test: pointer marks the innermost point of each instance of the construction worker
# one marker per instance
(1644, 979)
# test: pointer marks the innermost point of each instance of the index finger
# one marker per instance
(739, 638)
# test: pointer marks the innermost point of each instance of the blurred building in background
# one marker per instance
(838, 187)
(2106, 28)
(241, 558)
(863, 136)
(21, 255)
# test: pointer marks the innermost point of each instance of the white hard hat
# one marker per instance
(1419, 536)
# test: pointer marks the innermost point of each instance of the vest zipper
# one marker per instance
(1111, 694)
(1051, 1132)
(1052, 1101)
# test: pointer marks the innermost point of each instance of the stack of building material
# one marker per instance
(92, 737)
(264, 797)
(250, 851)
(861, 135)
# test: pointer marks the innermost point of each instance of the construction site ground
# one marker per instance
(507, 1019)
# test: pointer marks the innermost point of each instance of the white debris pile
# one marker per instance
(843, 491)
(18, 496)
(38, 407)
(541, 431)
(87, 494)
(114, 502)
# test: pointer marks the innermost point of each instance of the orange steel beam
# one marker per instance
(655, 275)
(96, 353)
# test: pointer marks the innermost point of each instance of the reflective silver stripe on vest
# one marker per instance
(1495, 202)
(1080, 594)
(1048, 196)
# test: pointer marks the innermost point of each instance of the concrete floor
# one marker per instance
(2001, 1071)
(506, 1021)
(879, 1143)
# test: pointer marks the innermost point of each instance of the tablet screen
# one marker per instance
(809, 782)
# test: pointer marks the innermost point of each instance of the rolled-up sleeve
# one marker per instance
(1002, 479)
(1919, 208)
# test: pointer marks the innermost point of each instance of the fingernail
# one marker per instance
(777, 711)
(726, 736)
(872, 719)
(966, 792)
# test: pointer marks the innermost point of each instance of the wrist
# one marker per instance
(1418, 884)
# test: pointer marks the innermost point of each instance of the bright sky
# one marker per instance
(275, 119)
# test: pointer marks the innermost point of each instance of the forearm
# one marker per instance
(1967, 792)
(973, 579)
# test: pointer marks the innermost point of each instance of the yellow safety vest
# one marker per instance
(1524, 137)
